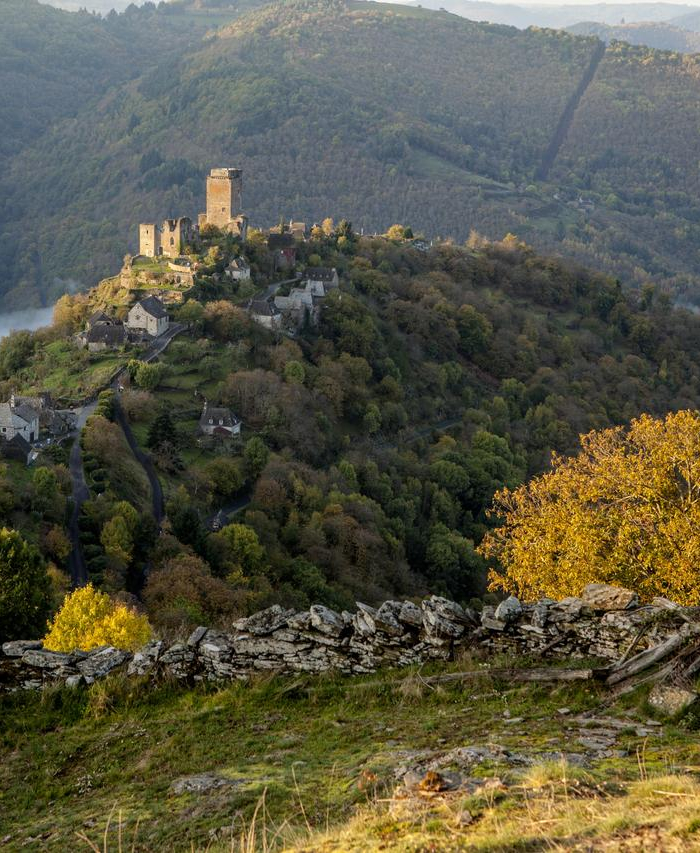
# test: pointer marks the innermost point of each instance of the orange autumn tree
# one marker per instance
(625, 511)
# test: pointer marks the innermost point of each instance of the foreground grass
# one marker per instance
(312, 765)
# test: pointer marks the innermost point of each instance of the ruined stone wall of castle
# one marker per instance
(604, 623)
(149, 239)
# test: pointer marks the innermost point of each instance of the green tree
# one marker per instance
(255, 455)
(161, 431)
(149, 375)
(294, 373)
(25, 588)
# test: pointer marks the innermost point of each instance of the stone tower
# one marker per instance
(224, 190)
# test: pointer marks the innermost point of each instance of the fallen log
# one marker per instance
(644, 660)
(540, 674)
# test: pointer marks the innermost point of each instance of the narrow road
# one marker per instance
(145, 461)
(225, 512)
(80, 491)
(550, 155)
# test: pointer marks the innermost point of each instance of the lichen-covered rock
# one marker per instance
(444, 619)
(411, 614)
(101, 663)
(509, 610)
(603, 597)
(16, 648)
(326, 621)
(670, 700)
(145, 659)
(264, 622)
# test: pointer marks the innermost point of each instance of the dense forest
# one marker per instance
(449, 145)
(372, 443)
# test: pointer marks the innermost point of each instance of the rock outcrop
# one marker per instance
(604, 623)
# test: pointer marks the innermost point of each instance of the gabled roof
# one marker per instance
(106, 334)
(264, 307)
(153, 306)
(19, 442)
(240, 264)
(216, 414)
(320, 273)
(280, 241)
(98, 318)
(23, 412)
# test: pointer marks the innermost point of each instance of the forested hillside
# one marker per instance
(372, 443)
(333, 107)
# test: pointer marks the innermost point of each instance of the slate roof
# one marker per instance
(23, 411)
(239, 264)
(217, 414)
(110, 335)
(320, 273)
(280, 241)
(264, 307)
(153, 306)
(98, 318)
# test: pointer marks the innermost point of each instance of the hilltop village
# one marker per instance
(133, 311)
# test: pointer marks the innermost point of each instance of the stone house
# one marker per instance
(100, 338)
(238, 269)
(283, 249)
(102, 332)
(149, 316)
(17, 418)
(219, 421)
(321, 279)
(54, 421)
(265, 312)
(16, 448)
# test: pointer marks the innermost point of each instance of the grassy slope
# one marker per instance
(323, 753)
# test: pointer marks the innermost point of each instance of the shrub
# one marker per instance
(89, 618)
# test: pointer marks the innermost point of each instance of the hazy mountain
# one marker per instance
(559, 17)
(660, 35)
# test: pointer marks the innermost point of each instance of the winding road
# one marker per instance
(80, 490)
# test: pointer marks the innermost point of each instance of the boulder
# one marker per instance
(671, 701)
(509, 610)
(197, 636)
(326, 621)
(266, 621)
(411, 614)
(201, 783)
(44, 659)
(443, 618)
(16, 648)
(145, 658)
(102, 662)
(603, 597)
(363, 621)
(386, 619)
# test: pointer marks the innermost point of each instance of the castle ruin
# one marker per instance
(224, 194)
(224, 199)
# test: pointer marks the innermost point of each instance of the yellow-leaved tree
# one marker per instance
(625, 511)
(89, 618)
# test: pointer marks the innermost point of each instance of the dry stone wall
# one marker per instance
(603, 623)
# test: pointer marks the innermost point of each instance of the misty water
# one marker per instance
(30, 318)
